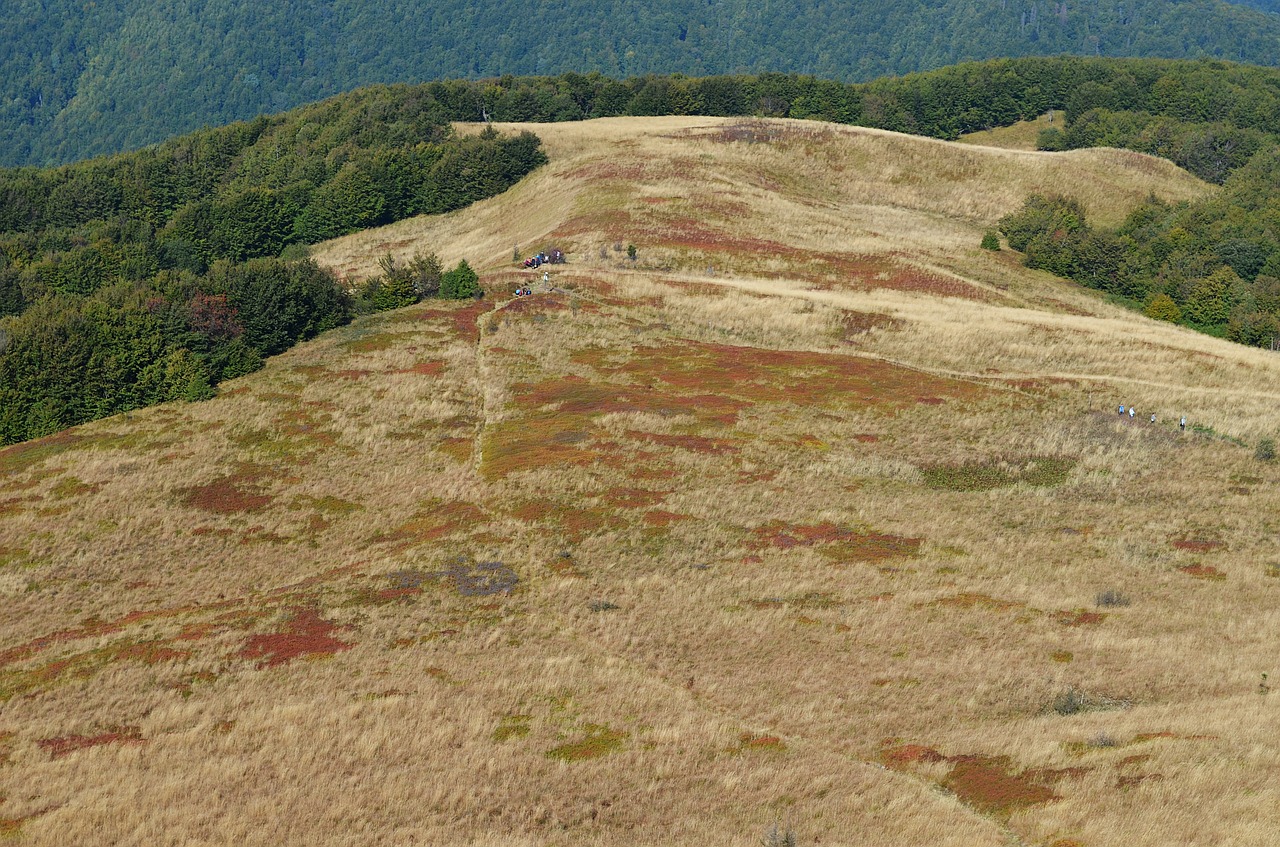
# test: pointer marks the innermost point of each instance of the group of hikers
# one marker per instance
(551, 257)
(1133, 412)
(554, 256)
(526, 291)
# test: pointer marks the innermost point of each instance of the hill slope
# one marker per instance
(81, 80)
(800, 516)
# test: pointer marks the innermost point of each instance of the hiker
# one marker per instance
(1153, 418)
(1122, 410)
(1131, 412)
(546, 277)
(1182, 424)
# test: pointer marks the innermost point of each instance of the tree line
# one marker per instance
(147, 245)
(152, 276)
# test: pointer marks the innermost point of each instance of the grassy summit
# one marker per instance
(813, 512)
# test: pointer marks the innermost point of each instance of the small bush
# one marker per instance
(1073, 701)
(460, 283)
(1102, 740)
(1111, 597)
(631, 252)
(776, 836)
(1051, 139)
(990, 240)
(602, 606)
(1266, 451)
(1070, 702)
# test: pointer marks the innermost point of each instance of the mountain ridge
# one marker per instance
(122, 74)
(813, 507)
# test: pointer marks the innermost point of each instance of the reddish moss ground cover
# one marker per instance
(987, 783)
(811, 380)
(67, 744)
(559, 421)
(711, 384)
(1079, 617)
(751, 742)
(1203, 572)
(305, 634)
(463, 320)
(1199, 545)
(431, 523)
(839, 542)
(240, 491)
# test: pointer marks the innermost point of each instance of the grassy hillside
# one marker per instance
(813, 514)
(81, 80)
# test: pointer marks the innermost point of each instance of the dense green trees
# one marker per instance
(151, 276)
(459, 283)
(81, 79)
(1173, 262)
(70, 359)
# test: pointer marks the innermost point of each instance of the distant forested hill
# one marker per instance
(79, 79)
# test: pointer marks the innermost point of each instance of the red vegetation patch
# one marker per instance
(987, 784)
(231, 494)
(465, 320)
(692, 443)
(1203, 572)
(151, 653)
(753, 375)
(305, 634)
(68, 744)
(1127, 781)
(843, 542)
(855, 324)
(903, 755)
(91, 628)
(534, 511)
(432, 368)
(580, 523)
(659, 517)
(457, 448)
(560, 420)
(21, 457)
(539, 304)
(224, 496)
(1199, 545)
(710, 383)
(433, 523)
(1079, 617)
(751, 742)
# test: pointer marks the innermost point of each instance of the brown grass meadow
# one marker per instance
(814, 515)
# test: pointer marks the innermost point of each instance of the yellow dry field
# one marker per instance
(1020, 136)
(813, 515)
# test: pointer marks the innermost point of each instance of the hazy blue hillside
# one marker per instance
(85, 78)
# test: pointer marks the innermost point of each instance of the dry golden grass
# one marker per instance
(1020, 136)
(801, 517)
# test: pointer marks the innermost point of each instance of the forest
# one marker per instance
(152, 276)
(83, 79)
